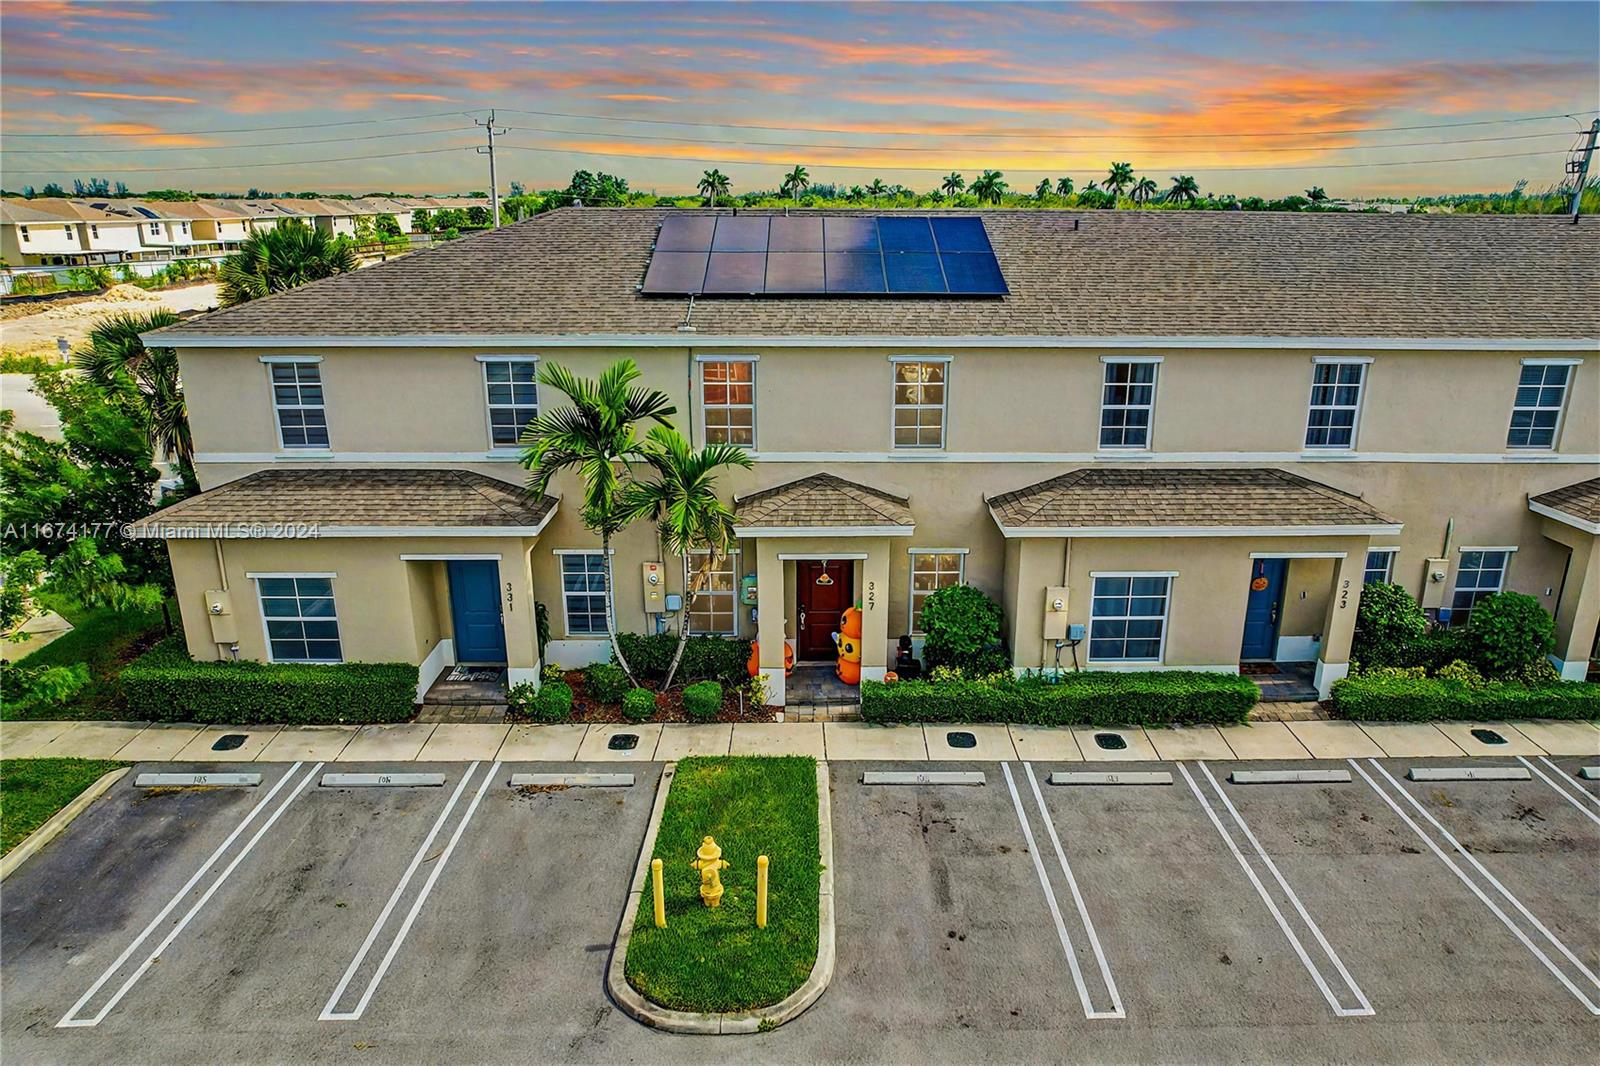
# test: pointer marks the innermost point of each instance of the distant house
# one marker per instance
(335, 217)
(217, 225)
(58, 232)
(383, 205)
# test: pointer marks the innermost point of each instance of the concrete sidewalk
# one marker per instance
(452, 742)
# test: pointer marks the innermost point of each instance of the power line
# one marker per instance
(256, 129)
(284, 163)
(223, 147)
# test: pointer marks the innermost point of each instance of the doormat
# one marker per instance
(474, 673)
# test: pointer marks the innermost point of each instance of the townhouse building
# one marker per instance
(1160, 440)
(58, 232)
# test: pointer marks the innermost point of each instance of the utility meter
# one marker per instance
(655, 588)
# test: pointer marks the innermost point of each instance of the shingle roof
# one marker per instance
(821, 500)
(1124, 499)
(1174, 273)
(1580, 500)
(339, 500)
(51, 209)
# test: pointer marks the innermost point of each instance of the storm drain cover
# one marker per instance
(960, 739)
(1110, 741)
(1488, 736)
(623, 741)
(229, 741)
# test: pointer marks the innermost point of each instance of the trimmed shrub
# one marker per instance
(552, 703)
(30, 686)
(963, 630)
(165, 685)
(1388, 624)
(1508, 631)
(638, 705)
(606, 682)
(704, 658)
(1091, 698)
(1461, 672)
(1408, 699)
(702, 700)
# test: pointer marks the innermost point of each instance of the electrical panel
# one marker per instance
(655, 588)
(1434, 573)
(219, 610)
(1055, 613)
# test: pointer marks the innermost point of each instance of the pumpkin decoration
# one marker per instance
(754, 663)
(848, 640)
(891, 676)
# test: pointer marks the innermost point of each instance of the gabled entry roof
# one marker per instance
(1184, 502)
(822, 505)
(293, 504)
(1577, 505)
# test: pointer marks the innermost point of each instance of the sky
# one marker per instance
(1254, 99)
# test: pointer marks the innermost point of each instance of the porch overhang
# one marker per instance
(1194, 531)
(824, 531)
(822, 505)
(1576, 505)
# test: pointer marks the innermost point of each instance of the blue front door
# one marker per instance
(475, 609)
(1261, 610)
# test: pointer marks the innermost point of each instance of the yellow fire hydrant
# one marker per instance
(709, 861)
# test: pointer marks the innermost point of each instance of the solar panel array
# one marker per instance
(823, 255)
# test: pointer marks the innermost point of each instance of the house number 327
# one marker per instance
(872, 595)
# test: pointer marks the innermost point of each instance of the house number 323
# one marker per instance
(1344, 595)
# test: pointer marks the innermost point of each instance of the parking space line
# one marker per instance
(68, 1021)
(1461, 874)
(1266, 897)
(1576, 791)
(1055, 908)
(1077, 898)
(328, 1013)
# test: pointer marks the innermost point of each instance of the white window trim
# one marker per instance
(277, 409)
(1388, 570)
(266, 635)
(1361, 400)
(1150, 424)
(731, 556)
(1552, 362)
(488, 408)
(270, 359)
(1561, 411)
(911, 585)
(1166, 618)
(1455, 583)
(701, 361)
(944, 407)
(566, 620)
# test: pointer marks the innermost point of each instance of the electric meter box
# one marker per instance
(219, 611)
(1055, 613)
(1433, 575)
(655, 588)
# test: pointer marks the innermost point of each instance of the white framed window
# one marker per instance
(931, 570)
(583, 592)
(94, 230)
(511, 391)
(1128, 617)
(67, 230)
(1335, 404)
(297, 399)
(1536, 410)
(1480, 574)
(25, 238)
(728, 401)
(155, 228)
(1380, 566)
(715, 611)
(302, 625)
(919, 402)
(1127, 403)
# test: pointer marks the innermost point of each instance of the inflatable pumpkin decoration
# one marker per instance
(754, 664)
(848, 640)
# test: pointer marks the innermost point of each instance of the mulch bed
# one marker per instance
(669, 705)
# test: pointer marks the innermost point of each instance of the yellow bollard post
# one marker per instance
(659, 893)
(761, 891)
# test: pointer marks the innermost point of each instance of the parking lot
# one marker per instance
(1378, 919)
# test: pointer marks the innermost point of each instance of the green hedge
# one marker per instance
(721, 659)
(1091, 698)
(164, 684)
(639, 705)
(702, 700)
(1417, 699)
(606, 682)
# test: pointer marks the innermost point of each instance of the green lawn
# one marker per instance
(105, 639)
(716, 959)
(31, 790)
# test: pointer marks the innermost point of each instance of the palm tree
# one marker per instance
(1184, 189)
(690, 518)
(1119, 178)
(989, 187)
(953, 183)
(1042, 189)
(1316, 194)
(1064, 187)
(1144, 190)
(115, 359)
(288, 255)
(796, 182)
(594, 438)
(877, 188)
(714, 183)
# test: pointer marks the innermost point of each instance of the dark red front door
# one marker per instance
(824, 591)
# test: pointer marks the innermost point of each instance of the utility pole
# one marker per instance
(494, 186)
(1580, 167)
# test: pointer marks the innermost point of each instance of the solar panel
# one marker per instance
(750, 255)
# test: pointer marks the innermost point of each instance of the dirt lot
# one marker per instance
(32, 328)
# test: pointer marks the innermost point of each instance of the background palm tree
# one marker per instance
(595, 438)
(1144, 190)
(289, 254)
(953, 183)
(795, 182)
(1042, 189)
(1119, 178)
(714, 183)
(1185, 190)
(145, 379)
(989, 186)
(1316, 194)
(1064, 187)
(877, 188)
(689, 515)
